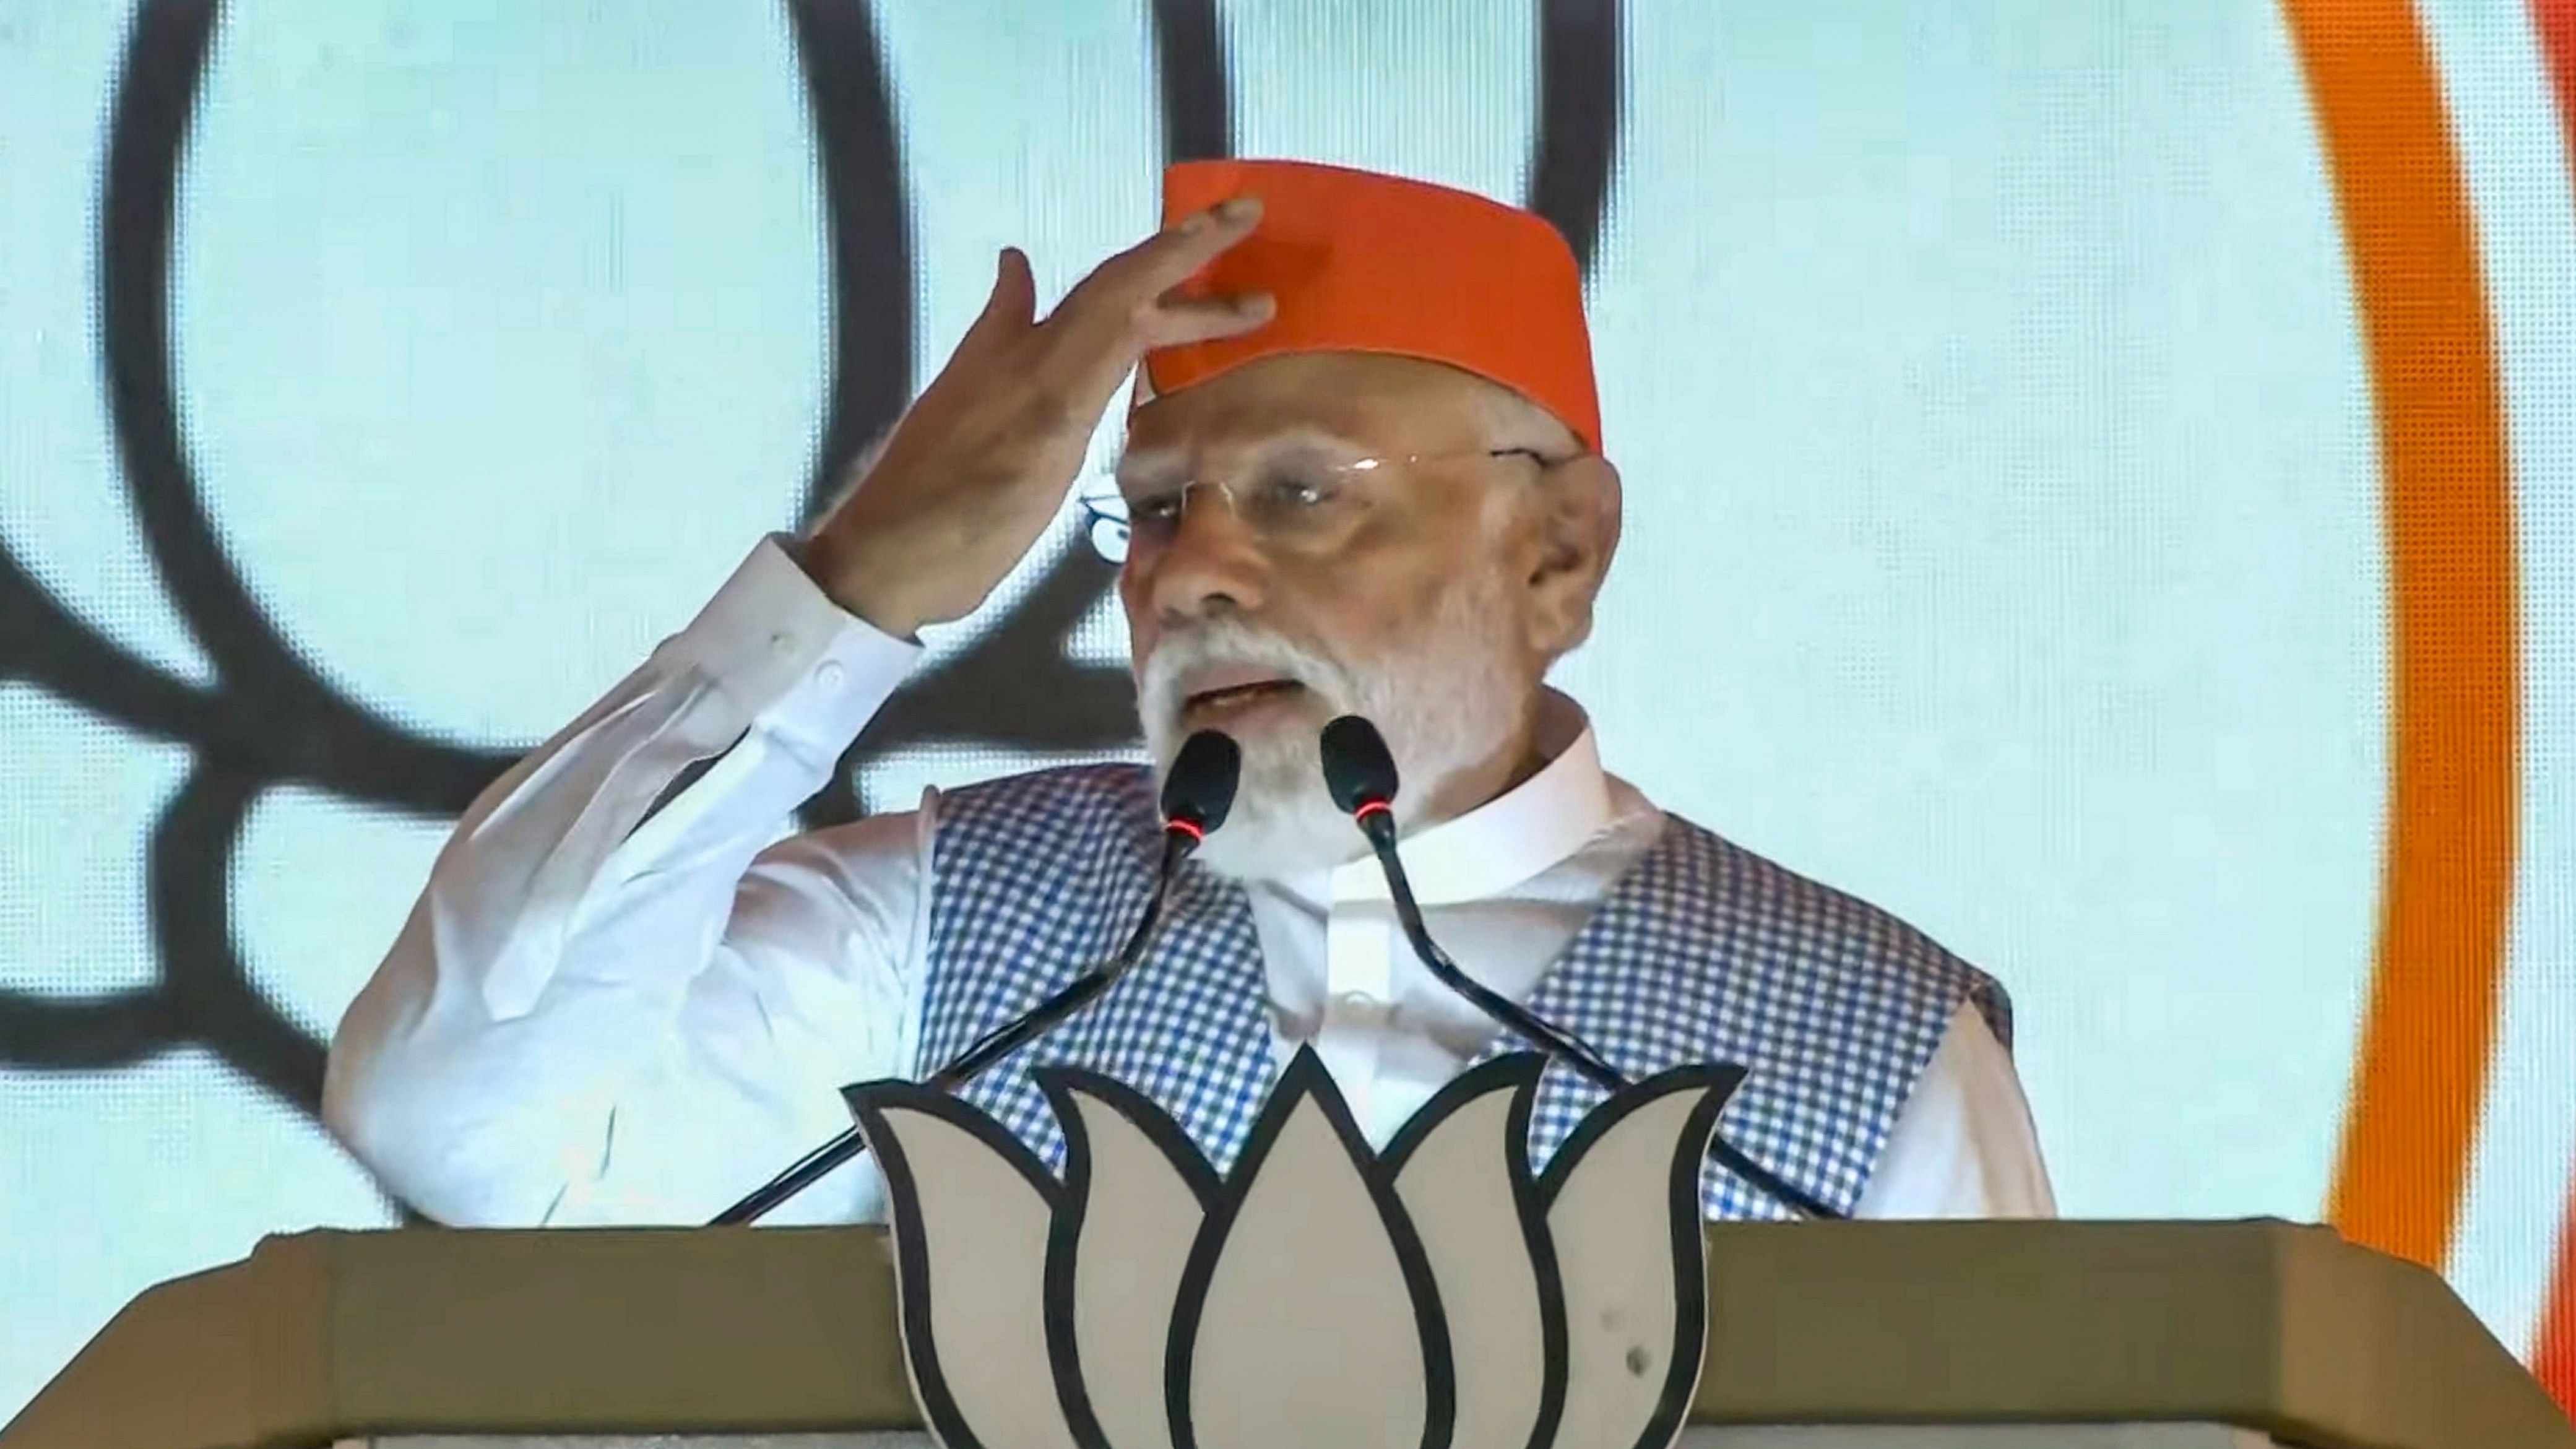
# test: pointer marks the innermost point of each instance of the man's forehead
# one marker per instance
(1176, 452)
(1329, 400)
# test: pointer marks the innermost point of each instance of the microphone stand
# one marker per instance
(1180, 837)
(1378, 824)
(1198, 791)
(1359, 772)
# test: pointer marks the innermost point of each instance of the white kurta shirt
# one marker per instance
(617, 1001)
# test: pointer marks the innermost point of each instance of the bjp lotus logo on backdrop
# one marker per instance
(1437, 1295)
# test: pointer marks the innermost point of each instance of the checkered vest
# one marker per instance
(1701, 952)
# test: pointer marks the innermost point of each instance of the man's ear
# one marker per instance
(1578, 531)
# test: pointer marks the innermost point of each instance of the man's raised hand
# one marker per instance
(984, 457)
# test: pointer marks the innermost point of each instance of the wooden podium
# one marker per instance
(2247, 1329)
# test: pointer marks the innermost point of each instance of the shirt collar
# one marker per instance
(1527, 829)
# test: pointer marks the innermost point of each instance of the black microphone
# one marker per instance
(1359, 771)
(1197, 792)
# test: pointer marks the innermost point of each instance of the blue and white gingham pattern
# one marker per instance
(1702, 952)
(1036, 879)
(1707, 952)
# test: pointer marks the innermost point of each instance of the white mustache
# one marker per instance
(1158, 687)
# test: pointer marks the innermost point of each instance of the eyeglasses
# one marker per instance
(1290, 504)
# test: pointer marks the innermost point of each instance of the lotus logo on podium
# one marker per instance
(1438, 1295)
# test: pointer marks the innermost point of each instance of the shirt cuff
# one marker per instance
(786, 658)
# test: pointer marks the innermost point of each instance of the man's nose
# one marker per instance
(1212, 563)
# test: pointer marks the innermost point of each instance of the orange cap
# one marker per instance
(1363, 262)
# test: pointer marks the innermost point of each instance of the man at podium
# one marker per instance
(1364, 474)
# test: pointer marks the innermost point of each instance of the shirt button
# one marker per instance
(828, 676)
(1355, 1003)
(781, 645)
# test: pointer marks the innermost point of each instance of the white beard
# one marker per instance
(1449, 700)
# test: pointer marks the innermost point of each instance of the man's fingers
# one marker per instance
(1012, 308)
(1166, 259)
(1177, 321)
(1092, 357)
(1171, 258)
(1125, 306)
